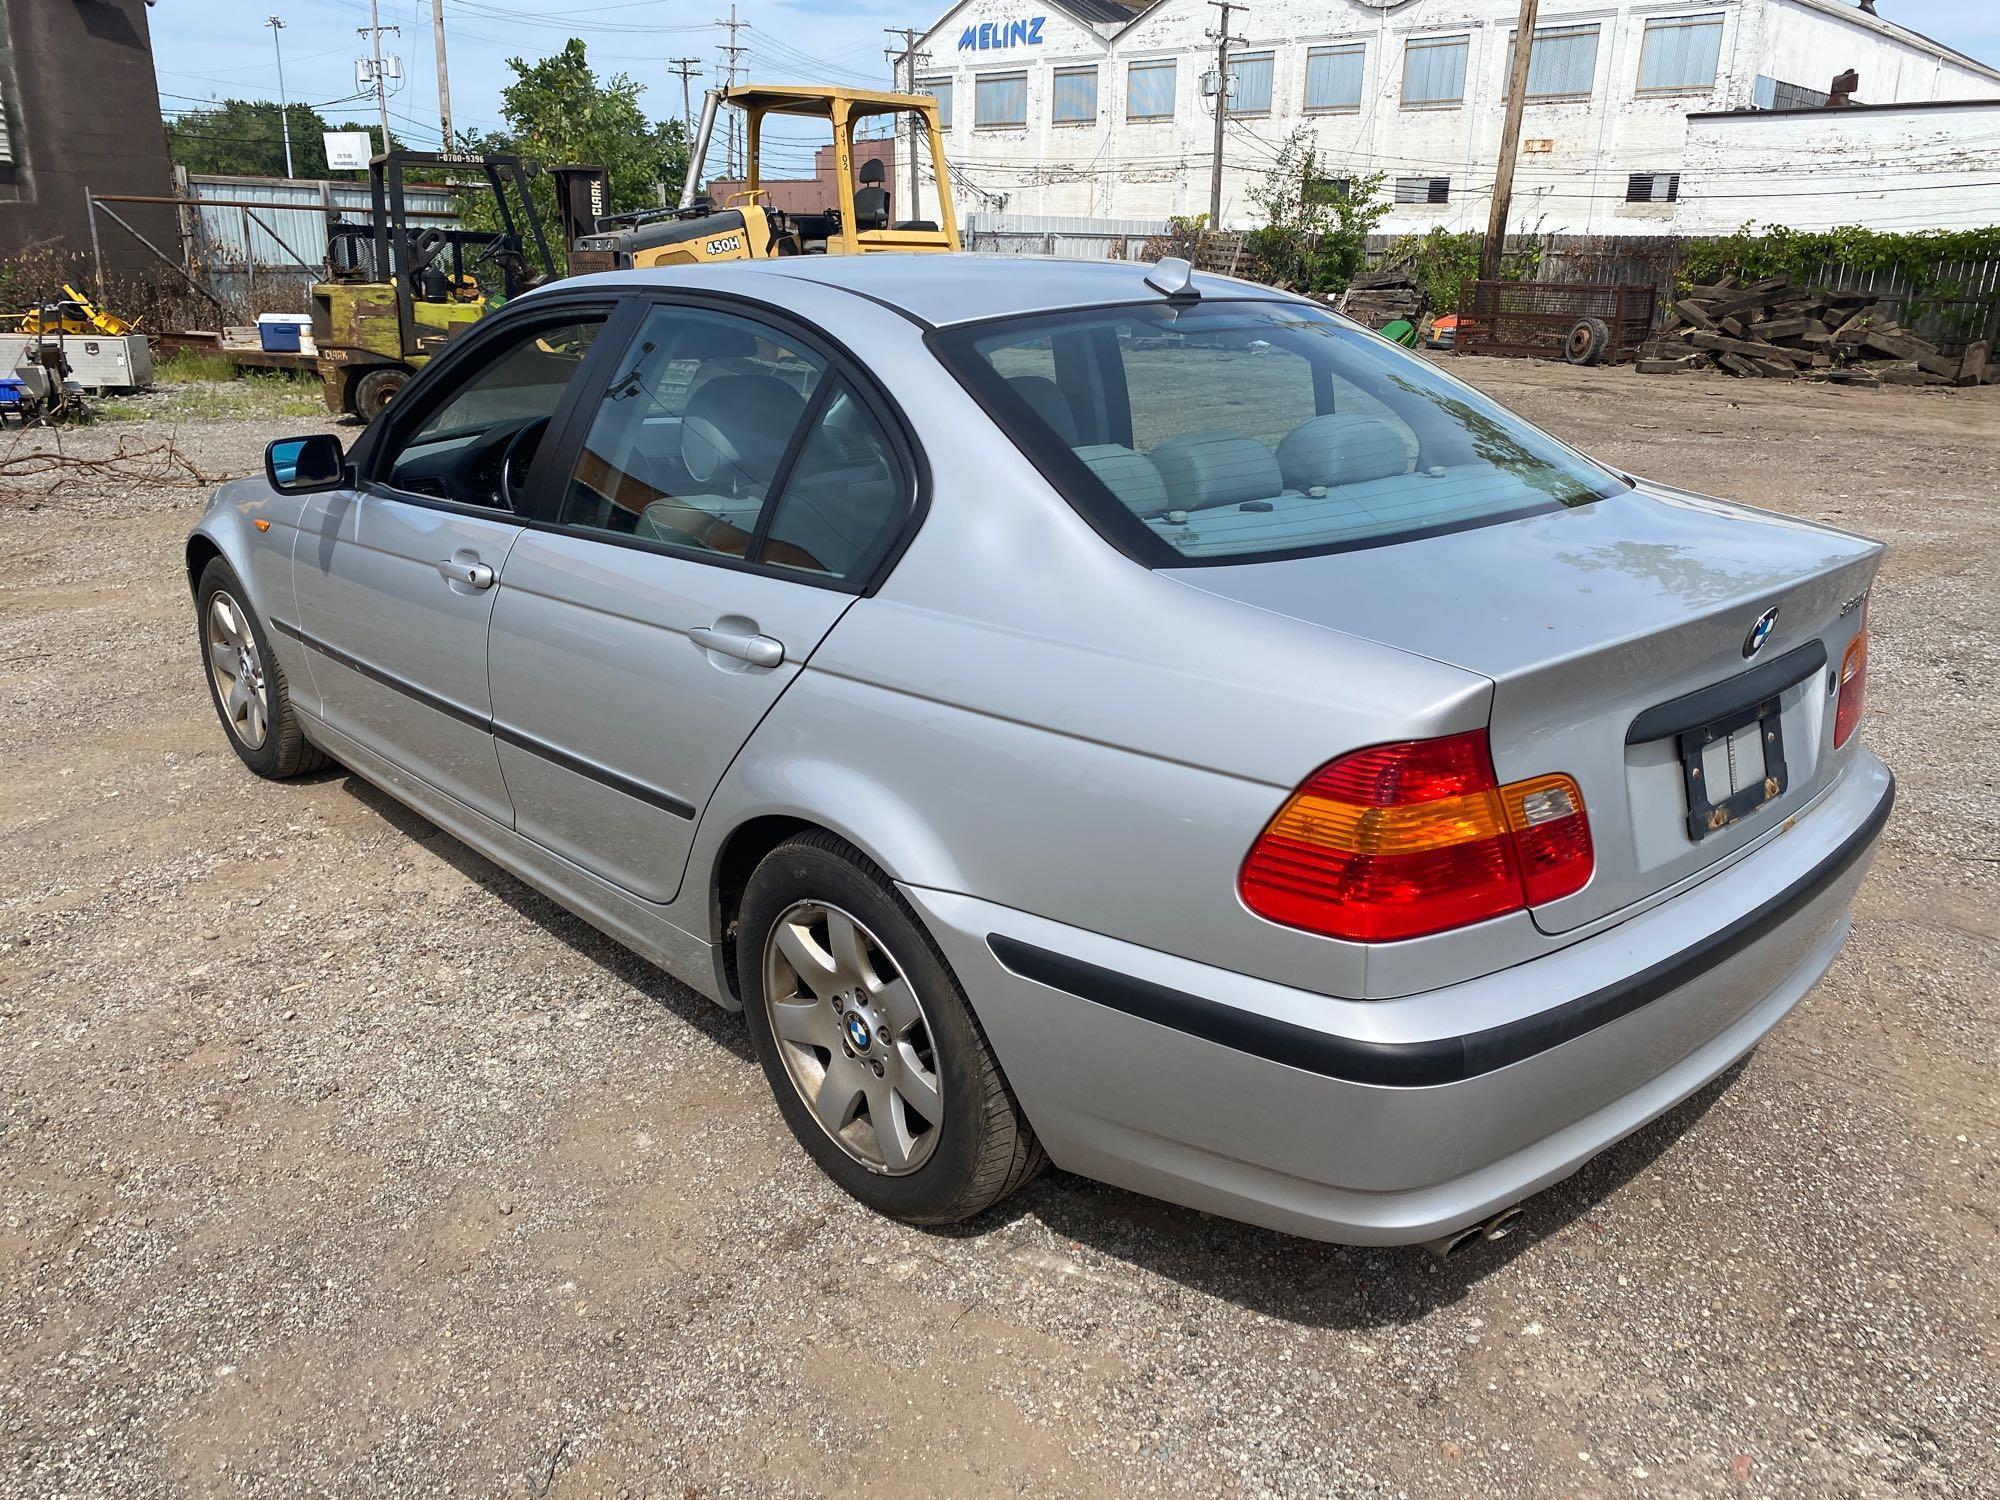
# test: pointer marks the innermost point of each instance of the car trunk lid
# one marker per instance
(1614, 634)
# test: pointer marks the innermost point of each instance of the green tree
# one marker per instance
(559, 112)
(243, 138)
(1316, 223)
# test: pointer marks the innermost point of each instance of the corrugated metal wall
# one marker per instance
(1072, 236)
(241, 254)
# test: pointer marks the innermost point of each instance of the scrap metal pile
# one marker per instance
(1777, 330)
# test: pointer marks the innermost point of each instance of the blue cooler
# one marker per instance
(278, 333)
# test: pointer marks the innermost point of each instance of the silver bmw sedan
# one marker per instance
(1092, 712)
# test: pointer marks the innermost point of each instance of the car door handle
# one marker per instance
(474, 575)
(758, 650)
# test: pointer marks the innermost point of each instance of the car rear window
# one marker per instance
(1239, 431)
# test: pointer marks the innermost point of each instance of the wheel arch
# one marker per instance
(202, 549)
(875, 820)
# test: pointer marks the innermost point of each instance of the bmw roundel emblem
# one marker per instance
(1761, 631)
(857, 1032)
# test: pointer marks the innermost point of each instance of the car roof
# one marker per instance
(938, 290)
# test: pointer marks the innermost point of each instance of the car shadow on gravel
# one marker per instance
(1300, 1281)
(1321, 1285)
(710, 1020)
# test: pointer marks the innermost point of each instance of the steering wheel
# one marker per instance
(520, 452)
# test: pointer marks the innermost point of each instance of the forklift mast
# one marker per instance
(403, 256)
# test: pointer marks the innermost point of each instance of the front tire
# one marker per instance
(245, 682)
(878, 1064)
(374, 390)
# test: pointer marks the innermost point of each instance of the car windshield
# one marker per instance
(1245, 430)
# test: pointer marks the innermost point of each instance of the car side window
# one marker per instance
(475, 446)
(688, 444)
(844, 499)
(689, 437)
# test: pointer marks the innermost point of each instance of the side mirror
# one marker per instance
(305, 465)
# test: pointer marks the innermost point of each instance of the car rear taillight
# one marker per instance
(1402, 840)
(1853, 683)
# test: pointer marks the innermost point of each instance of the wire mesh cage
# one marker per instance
(1537, 318)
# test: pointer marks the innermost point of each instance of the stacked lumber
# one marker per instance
(1376, 298)
(1774, 329)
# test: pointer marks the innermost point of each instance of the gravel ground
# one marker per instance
(332, 1158)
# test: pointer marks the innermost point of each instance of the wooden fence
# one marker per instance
(1965, 307)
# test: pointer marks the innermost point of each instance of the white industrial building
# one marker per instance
(1096, 109)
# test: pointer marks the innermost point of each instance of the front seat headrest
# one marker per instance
(1344, 447)
(735, 428)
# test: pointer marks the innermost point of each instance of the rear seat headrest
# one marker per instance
(1202, 469)
(1128, 475)
(1049, 403)
(1344, 447)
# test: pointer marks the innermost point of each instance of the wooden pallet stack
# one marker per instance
(1375, 298)
(1774, 329)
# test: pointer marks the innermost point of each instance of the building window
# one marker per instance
(1423, 190)
(1561, 64)
(1653, 187)
(1434, 71)
(1000, 99)
(1679, 55)
(1770, 93)
(1252, 94)
(1333, 78)
(1075, 96)
(941, 87)
(1149, 90)
(1324, 192)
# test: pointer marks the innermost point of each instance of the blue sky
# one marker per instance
(222, 48)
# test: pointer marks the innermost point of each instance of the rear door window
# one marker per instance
(724, 437)
(1238, 430)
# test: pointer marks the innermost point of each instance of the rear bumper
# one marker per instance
(1391, 1121)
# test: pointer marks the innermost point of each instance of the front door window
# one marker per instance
(474, 446)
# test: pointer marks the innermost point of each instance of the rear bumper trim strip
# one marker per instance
(1444, 1059)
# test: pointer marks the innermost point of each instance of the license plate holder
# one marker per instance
(1722, 746)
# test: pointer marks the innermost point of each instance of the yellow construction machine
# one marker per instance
(745, 227)
(75, 313)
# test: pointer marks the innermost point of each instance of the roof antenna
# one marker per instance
(1174, 278)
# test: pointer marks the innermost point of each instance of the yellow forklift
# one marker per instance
(396, 293)
(858, 222)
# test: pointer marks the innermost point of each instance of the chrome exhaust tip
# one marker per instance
(1445, 1245)
(1498, 1227)
(1495, 1228)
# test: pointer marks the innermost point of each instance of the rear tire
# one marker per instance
(375, 390)
(840, 980)
(245, 682)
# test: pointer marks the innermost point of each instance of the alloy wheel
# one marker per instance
(854, 1038)
(238, 670)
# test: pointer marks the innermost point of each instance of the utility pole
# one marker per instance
(444, 78)
(373, 30)
(1222, 40)
(284, 119)
(685, 67)
(1510, 143)
(909, 59)
(732, 52)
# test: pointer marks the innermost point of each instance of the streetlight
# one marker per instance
(284, 118)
